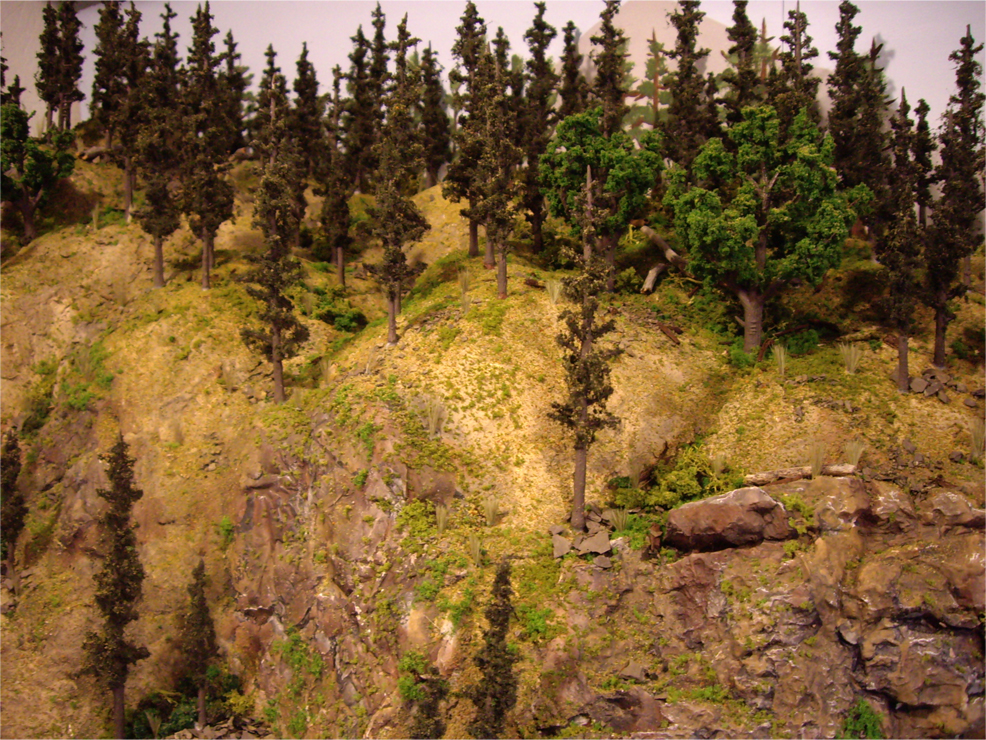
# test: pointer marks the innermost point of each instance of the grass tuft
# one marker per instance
(851, 355)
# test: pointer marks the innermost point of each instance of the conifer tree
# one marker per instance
(207, 197)
(513, 101)
(496, 693)
(379, 77)
(234, 79)
(47, 76)
(119, 585)
(573, 90)
(272, 109)
(460, 181)
(30, 168)
(158, 143)
(687, 125)
(792, 87)
(335, 189)
(13, 503)
(609, 87)
(954, 235)
(899, 249)
(924, 147)
(652, 87)
(539, 118)
(764, 216)
(435, 127)
(306, 115)
(108, 86)
(69, 64)
(360, 119)
(743, 86)
(397, 221)
(130, 110)
(198, 638)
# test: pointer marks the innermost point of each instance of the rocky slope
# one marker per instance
(317, 524)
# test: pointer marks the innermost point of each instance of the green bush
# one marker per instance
(862, 722)
(637, 531)
(803, 342)
(628, 281)
(738, 358)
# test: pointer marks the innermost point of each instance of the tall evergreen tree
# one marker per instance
(743, 84)
(13, 503)
(48, 74)
(512, 80)
(496, 693)
(158, 143)
(435, 128)
(653, 87)
(687, 125)
(460, 182)
(792, 87)
(397, 220)
(539, 118)
(899, 249)
(198, 637)
(108, 86)
(360, 120)
(207, 197)
(272, 109)
(276, 271)
(335, 189)
(924, 147)
(119, 585)
(306, 115)
(379, 77)
(954, 234)
(69, 64)
(610, 85)
(573, 90)
(129, 112)
(234, 79)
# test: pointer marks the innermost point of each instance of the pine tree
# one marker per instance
(158, 143)
(496, 693)
(29, 167)
(653, 87)
(47, 76)
(306, 116)
(379, 78)
(119, 585)
(198, 637)
(460, 181)
(276, 271)
(923, 148)
(127, 116)
(435, 127)
(513, 101)
(687, 123)
(13, 503)
(234, 79)
(573, 89)
(954, 235)
(743, 85)
(609, 88)
(360, 119)
(108, 86)
(335, 189)
(792, 87)
(206, 197)
(539, 118)
(762, 217)
(397, 221)
(69, 64)
(272, 109)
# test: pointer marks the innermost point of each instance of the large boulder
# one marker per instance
(745, 516)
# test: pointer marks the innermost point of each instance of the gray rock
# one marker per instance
(591, 527)
(933, 387)
(598, 543)
(943, 396)
(560, 545)
(918, 385)
(745, 516)
(634, 670)
(961, 387)
(909, 446)
(556, 529)
(602, 561)
(956, 456)
(970, 402)
(979, 393)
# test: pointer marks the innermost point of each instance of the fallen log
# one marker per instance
(652, 277)
(669, 333)
(669, 254)
(789, 474)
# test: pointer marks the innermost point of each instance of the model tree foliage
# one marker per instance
(688, 122)
(611, 83)
(359, 123)
(198, 637)
(335, 187)
(791, 87)
(764, 217)
(435, 127)
(13, 503)
(573, 90)
(743, 84)
(119, 584)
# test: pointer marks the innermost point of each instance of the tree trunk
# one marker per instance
(489, 258)
(392, 320)
(609, 244)
(967, 271)
(158, 261)
(431, 178)
(275, 358)
(202, 707)
(903, 376)
(578, 490)
(399, 302)
(206, 260)
(941, 326)
(49, 118)
(473, 238)
(128, 188)
(537, 221)
(752, 302)
(341, 266)
(501, 274)
(119, 718)
(27, 209)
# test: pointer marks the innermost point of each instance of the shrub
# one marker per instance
(862, 722)
(803, 342)
(738, 358)
(628, 281)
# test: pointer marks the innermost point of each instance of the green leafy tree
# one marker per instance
(30, 168)
(764, 217)
(743, 84)
(335, 189)
(899, 250)
(359, 123)
(276, 271)
(198, 637)
(397, 221)
(954, 234)
(792, 88)
(460, 180)
(496, 693)
(119, 585)
(69, 64)
(539, 118)
(573, 90)
(13, 503)
(611, 83)
(688, 123)
(435, 126)
(158, 143)
(206, 195)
